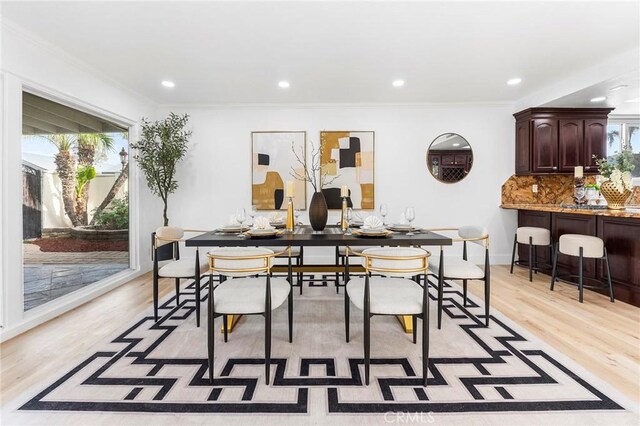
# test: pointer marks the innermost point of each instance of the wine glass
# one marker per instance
(296, 216)
(383, 213)
(241, 216)
(349, 217)
(253, 212)
(410, 214)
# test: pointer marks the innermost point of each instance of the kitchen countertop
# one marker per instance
(557, 208)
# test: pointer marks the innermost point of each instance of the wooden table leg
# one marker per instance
(407, 323)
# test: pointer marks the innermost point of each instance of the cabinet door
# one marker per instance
(545, 145)
(570, 144)
(523, 147)
(460, 160)
(621, 237)
(583, 224)
(595, 143)
(448, 159)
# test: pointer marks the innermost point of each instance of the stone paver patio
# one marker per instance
(49, 275)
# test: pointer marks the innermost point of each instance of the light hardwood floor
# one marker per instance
(601, 336)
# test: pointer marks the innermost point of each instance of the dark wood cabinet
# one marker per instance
(595, 131)
(556, 140)
(570, 141)
(621, 237)
(450, 165)
(523, 147)
(545, 145)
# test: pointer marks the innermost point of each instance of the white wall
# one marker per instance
(53, 214)
(215, 178)
(28, 62)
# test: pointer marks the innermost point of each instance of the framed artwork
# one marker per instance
(349, 155)
(271, 166)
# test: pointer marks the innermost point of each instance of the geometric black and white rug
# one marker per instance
(496, 374)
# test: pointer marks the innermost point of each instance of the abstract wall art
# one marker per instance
(349, 155)
(271, 165)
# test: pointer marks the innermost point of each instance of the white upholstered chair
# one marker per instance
(166, 250)
(397, 291)
(246, 292)
(582, 247)
(463, 269)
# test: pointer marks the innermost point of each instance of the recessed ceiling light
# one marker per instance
(167, 83)
(514, 81)
(398, 83)
(618, 87)
(456, 144)
(599, 99)
(633, 100)
(283, 84)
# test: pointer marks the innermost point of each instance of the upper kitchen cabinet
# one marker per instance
(555, 140)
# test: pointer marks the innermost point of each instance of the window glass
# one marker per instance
(75, 212)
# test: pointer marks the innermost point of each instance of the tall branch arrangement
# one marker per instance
(313, 172)
(162, 145)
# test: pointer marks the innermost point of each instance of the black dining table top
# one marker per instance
(331, 236)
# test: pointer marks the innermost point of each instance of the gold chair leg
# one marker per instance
(407, 323)
(233, 320)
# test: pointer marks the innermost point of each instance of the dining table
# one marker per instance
(331, 236)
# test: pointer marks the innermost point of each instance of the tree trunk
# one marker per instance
(66, 168)
(120, 180)
(164, 212)
(86, 158)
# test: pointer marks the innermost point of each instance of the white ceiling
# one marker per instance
(223, 52)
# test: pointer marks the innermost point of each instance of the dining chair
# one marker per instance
(463, 269)
(297, 255)
(341, 254)
(166, 247)
(243, 291)
(397, 291)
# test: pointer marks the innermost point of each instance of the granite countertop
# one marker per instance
(557, 208)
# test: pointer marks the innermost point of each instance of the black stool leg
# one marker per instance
(580, 285)
(535, 259)
(606, 262)
(530, 259)
(415, 328)
(554, 269)
(513, 253)
(464, 292)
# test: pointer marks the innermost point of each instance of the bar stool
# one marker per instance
(533, 237)
(582, 246)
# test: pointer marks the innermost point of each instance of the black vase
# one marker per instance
(318, 211)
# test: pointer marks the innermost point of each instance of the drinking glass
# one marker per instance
(296, 216)
(241, 216)
(253, 212)
(349, 219)
(410, 214)
(383, 213)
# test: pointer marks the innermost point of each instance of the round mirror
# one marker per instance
(449, 158)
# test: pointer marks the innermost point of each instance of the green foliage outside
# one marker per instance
(115, 216)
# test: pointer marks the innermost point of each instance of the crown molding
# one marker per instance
(23, 33)
(333, 105)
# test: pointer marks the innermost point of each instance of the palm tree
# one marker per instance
(89, 147)
(66, 168)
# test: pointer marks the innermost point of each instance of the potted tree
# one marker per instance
(162, 145)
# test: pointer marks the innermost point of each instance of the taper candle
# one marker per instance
(344, 191)
(289, 189)
(578, 171)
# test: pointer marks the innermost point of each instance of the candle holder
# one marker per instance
(579, 191)
(344, 225)
(290, 216)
